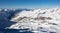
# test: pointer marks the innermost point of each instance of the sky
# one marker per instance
(29, 3)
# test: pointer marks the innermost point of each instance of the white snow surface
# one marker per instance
(38, 20)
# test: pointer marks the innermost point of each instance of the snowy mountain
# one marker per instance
(38, 20)
(5, 17)
(35, 20)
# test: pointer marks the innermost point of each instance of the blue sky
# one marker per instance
(29, 3)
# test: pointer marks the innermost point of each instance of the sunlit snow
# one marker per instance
(38, 20)
(26, 20)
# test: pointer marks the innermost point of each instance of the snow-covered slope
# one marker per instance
(5, 16)
(38, 20)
